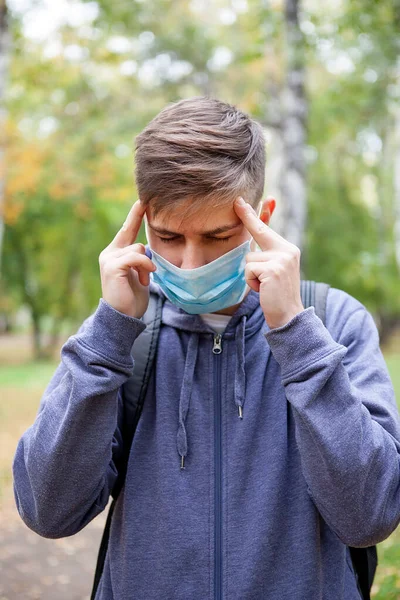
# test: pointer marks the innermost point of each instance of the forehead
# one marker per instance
(195, 218)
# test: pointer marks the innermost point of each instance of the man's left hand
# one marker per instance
(274, 272)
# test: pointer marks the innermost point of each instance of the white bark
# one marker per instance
(4, 57)
(294, 115)
(396, 185)
(273, 175)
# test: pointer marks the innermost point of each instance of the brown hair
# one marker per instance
(200, 149)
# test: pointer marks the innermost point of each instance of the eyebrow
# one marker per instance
(215, 231)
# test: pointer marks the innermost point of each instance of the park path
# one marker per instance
(32, 567)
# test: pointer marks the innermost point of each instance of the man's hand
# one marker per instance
(274, 272)
(125, 269)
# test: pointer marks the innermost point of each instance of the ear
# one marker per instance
(266, 209)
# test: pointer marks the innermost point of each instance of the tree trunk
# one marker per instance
(396, 186)
(4, 55)
(387, 325)
(272, 124)
(295, 110)
(273, 176)
(53, 339)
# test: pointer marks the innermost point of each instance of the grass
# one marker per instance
(22, 386)
(36, 374)
(387, 580)
(393, 363)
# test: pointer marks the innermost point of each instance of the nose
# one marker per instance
(192, 257)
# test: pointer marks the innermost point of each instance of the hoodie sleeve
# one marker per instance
(65, 464)
(346, 418)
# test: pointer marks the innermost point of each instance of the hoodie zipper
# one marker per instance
(217, 349)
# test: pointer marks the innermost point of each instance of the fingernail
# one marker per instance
(240, 201)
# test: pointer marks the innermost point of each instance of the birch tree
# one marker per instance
(4, 53)
(294, 106)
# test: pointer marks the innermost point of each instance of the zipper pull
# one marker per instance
(217, 348)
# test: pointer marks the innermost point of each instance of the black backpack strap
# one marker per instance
(315, 294)
(134, 389)
(133, 393)
(365, 560)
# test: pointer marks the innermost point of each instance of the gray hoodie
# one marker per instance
(268, 501)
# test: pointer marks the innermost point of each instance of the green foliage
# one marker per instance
(75, 109)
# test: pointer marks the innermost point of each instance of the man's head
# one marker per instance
(192, 160)
(203, 150)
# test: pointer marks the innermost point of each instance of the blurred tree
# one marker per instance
(77, 99)
(4, 55)
(294, 129)
(65, 182)
(353, 89)
(6, 306)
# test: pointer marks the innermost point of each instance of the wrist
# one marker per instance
(281, 320)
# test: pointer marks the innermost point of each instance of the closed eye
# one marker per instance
(214, 239)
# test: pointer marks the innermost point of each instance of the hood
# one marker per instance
(247, 320)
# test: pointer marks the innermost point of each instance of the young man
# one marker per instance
(268, 443)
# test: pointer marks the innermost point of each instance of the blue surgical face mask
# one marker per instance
(209, 288)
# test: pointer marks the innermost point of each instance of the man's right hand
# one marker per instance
(125, 269)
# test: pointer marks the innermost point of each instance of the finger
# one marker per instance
(143, 276)
(135, 277)
(133, 260)
(130, 229)
(137, 247)
(251, 278)
(264, 255)
(141, 264)
(265, 237)
(263, 271)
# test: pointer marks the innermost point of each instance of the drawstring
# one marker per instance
(186, 392)
(186, 389)
(240, 374)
